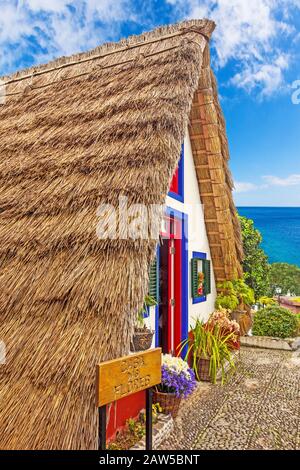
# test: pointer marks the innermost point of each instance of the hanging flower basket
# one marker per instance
(177, 383)
(142, 340)
(169, 402)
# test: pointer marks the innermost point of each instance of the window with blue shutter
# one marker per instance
(200, 277)
(153, 289)
(207, 276)
(194, 277)
(153, 280)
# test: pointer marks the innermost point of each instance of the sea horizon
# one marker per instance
(280, 229)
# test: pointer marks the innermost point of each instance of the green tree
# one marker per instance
(255, 264)
(286, 276)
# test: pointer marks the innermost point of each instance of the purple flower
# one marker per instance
(180, 383)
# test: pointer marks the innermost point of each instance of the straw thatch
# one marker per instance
(75, 133)
(210, 150)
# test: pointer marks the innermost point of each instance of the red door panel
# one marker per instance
(170, 278)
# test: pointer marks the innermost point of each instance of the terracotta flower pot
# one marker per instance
(236, 315)
(244, 319)
(168, 401)
(141, 340)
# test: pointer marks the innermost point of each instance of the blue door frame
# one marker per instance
(184, 278)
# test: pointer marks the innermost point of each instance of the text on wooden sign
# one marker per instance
(129, 374)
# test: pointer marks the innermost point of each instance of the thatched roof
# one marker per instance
(210, 151)
(74, 133)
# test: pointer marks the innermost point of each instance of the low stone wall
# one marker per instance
(161, 430)
(269, 342)
(287, 302)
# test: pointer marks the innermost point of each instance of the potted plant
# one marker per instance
(210, 345)
(178, 381)
(227, 297)
(221, 319)
(142, 337)
(238, 297)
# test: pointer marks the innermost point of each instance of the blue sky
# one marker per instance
(255, 55)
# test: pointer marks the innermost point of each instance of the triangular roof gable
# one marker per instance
(74, 133)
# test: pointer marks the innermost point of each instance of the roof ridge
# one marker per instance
(204, 27)
(99, 56)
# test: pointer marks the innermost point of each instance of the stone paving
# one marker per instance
(258, 408)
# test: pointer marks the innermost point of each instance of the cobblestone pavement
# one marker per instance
(258, 408)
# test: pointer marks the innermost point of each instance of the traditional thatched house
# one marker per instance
(77, 133)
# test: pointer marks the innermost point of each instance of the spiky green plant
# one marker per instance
(203, 343)
(149, 301)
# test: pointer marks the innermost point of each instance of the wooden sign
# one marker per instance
(130, 374)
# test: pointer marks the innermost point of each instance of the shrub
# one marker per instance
(266, 301)
(234, 294)
(229, 302)
(274, 321)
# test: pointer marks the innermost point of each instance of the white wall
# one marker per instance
(198, 240)
(197, 237)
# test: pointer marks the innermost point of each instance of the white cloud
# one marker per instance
(268, 182)
(269, 77)
(44, 5)
(51, 28)
(291, 180)
(248, 32)
(244, 187)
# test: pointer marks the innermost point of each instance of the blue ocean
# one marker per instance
(280, 228)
